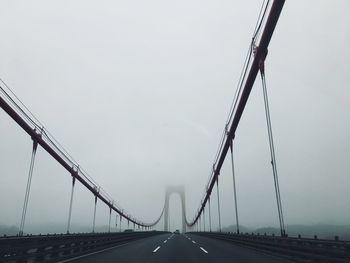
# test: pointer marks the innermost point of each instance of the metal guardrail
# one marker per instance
(53, 248)
(295, 248)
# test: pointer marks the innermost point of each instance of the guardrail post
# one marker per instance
(26, 197)
(71, 204)
(234, 186)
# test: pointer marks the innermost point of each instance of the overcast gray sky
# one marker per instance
(138, 92)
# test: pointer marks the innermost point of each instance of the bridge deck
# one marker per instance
(177, 248)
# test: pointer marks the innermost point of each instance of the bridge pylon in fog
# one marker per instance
(179, 189)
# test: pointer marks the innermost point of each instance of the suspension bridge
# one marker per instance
(198, 241)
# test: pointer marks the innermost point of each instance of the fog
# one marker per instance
(138, 93)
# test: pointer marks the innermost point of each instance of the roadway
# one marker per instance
(173, 248)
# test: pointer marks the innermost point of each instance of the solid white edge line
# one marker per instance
(93, 253)
(154, 251)
(204, 250)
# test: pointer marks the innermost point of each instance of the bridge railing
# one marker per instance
(296, 248)
(62, 246)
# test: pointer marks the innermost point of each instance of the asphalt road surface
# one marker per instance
(171, 248)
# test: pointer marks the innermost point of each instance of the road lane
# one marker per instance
(229, 252)
(173, 248)
(135, 251)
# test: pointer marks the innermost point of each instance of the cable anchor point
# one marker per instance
(262, 60)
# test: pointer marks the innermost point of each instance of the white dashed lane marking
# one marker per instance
(206, 252)
(154, 251)
(194, 242)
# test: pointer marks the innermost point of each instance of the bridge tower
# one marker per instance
(180, 189)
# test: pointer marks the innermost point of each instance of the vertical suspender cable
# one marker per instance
(204, 220)
(217, 190)
(109, 223)
(93, 223)
(272, 150)
(71, 204)
(26, 197)
(209, 215)
(234, 187)
(120, 223)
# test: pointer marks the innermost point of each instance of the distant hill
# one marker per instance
(323, 231)
(232, 228)
(8, 230)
